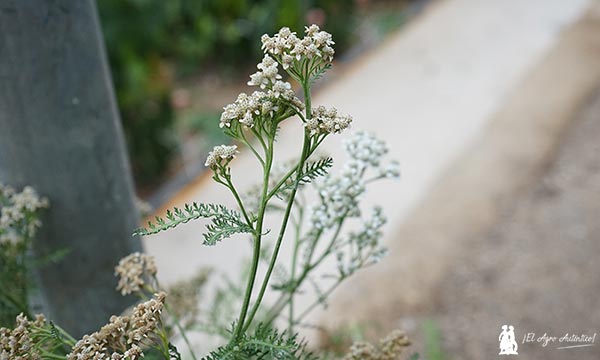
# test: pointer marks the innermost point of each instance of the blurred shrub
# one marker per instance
(148, 39)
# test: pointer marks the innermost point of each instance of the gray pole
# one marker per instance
(60, 132)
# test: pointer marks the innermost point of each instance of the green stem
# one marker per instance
(319, 300)
(181, 330)
(256, 154)
(284, 299)
(293, 270)
(164, 348)
(305, 152)
(49, 355)
(238, 199)
(239, 329)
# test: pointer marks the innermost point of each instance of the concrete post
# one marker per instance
(60, 132)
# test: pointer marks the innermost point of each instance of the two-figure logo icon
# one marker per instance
(508, 344)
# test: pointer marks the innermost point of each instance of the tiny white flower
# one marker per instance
(220, 153)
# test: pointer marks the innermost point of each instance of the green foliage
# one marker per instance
(173, 352)
(264, 343)
(19, 221)
(15, 282)
(135, 33)
(311, 171)
(433, 347)
(314, 169)
(224, 222)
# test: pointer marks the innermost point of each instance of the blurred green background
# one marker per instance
(154, 45)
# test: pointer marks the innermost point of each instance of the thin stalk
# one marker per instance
(284, 299)
(164, 348)
(262, 142)
(293, 271)
(238, 199)
(249, 145)
(239, 328)
(49, 355)
(305, 152)
(181, 330)
(320, 300)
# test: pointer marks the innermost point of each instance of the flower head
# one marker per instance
(18, 343)
(290, 50)
(219, 154)
(327, 121)
(134, 271)
(123, 336)
(145, 318)
(17, 210)
(267, 73)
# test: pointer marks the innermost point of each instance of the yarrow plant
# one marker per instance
(316, 230)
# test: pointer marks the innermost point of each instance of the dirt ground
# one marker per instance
(510, 233)
(536, 268)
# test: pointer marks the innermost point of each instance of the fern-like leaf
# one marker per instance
(173, 352)
(314, 169)
(265, 343)
(311, 171)
(224, 222)
(320, 72)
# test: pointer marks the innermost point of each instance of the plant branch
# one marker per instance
(305, 152)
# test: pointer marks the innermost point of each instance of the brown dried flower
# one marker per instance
(17, 343)
(123, 336)
(134, 272)
(390, 348)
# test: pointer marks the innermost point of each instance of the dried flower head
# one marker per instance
(134, 272)
(393, 345)
(184, 298)
(390, 348)
(362, 351)
(221, 155)
(123, 336)
(17, 343)
(145, 318)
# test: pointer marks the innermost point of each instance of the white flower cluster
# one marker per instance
(247, 109)
(366, 150)
(365, 245)
(267, 73)
(327, 121)
(133, 271)
(129, 333)
(340, 195)
(17, 213)
(338, 198)
(289, 49)
(220, 153)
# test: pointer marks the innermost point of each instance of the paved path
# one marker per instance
(477, 189)
(429, 91)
